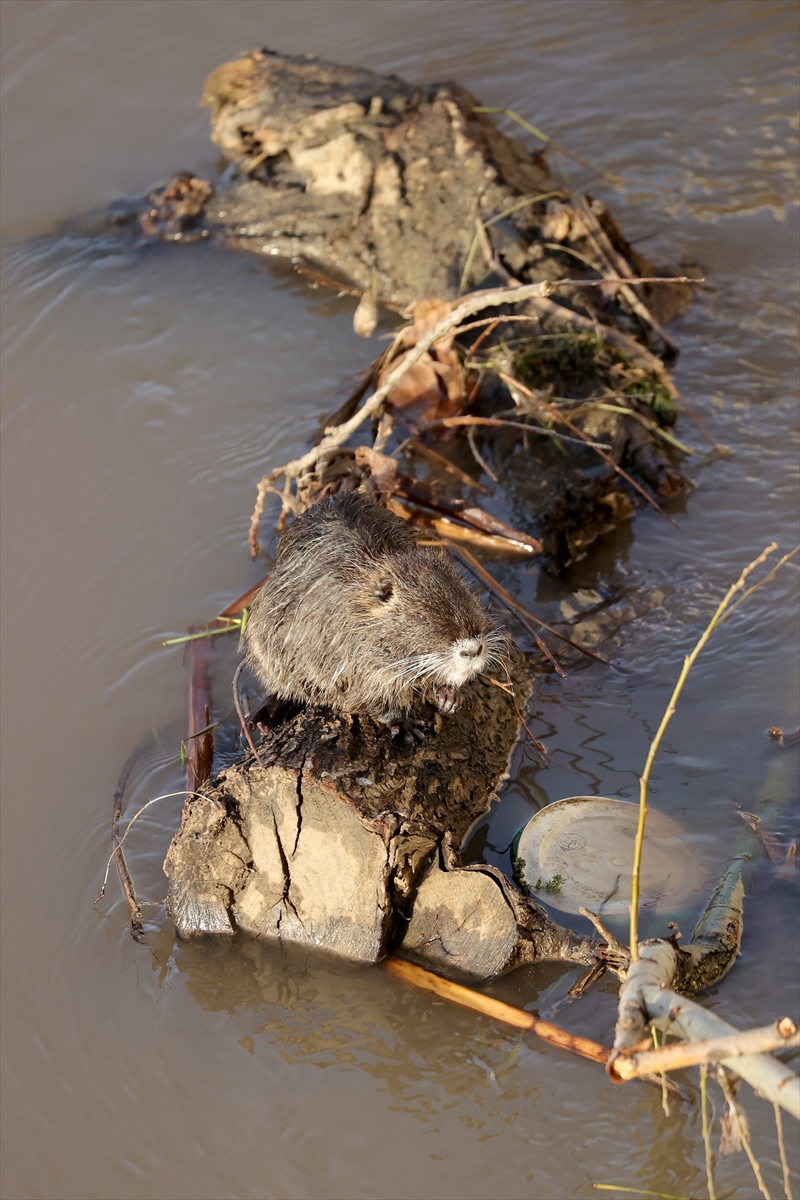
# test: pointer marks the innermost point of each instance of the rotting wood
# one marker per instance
(347, 840)
(386, 191)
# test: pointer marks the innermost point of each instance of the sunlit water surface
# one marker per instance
(146, 390)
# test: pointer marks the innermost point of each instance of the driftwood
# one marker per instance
(393, 192)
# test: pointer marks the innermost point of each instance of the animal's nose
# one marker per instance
(473, 651)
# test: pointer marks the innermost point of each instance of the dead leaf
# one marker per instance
(382, 469)
(418, 392)
(450, 373)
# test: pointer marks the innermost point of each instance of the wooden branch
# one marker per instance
(496, 1010)
(646, 998)
(201, 746)
(781, 1033)
(118, 853)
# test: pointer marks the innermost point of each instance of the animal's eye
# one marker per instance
(384, 590)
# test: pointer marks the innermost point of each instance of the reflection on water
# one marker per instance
(145, 393)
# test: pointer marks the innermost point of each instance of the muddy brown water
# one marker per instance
(145, 392)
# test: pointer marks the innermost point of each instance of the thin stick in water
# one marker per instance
(688, 663)
(712, 1195)
(135, 817)
(787, 1183)
(480, 461)
(733, 1109)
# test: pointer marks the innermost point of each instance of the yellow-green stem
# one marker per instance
(688, 663)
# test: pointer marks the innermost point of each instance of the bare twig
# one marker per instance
(733, 1109)
(476, 455)
(238, 704)
(712, 1195)
(135, 817)
(118, 855)
(497, 423)
(491, 324)
(676, 1056)
(787, 1182)
(605, 933)
(496, 1009)
(508, 688)
(645, 777)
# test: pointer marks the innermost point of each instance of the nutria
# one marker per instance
(358, 618)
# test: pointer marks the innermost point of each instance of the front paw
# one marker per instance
(405, 730)
(447, 700)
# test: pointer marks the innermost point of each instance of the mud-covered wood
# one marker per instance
(327, 842)
(376, 179)
(399, 192)
(380, 182)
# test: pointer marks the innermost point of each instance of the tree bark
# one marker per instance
(346, 840)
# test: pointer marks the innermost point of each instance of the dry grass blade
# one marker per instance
(514, 116)
(787, 1183)
(688, 663)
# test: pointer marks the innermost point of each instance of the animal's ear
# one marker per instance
(384, 590)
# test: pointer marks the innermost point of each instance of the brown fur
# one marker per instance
(357, 618)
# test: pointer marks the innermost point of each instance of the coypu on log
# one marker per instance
(344, 839)
(334, 834)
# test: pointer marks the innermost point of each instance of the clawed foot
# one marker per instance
(406, 730)
(447, 700)
(273, 712)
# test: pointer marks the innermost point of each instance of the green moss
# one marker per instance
(574, 364)
(665, 410)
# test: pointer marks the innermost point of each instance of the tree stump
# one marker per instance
(341, 838)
